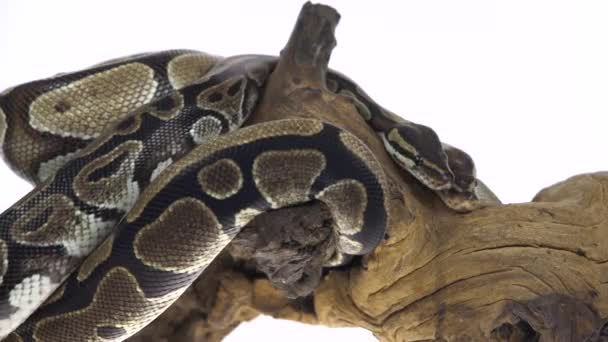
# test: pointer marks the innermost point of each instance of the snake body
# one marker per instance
(43, 123)
(128, 150)
(441, 167)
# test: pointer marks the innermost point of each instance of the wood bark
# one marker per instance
(535, 271)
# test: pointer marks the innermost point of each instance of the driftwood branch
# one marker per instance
(525, 272)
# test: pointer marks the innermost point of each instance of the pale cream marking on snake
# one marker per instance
(336, 259)
(160, 168)
(225, 98)
(347, 200)
(2, 127)
(56, 266)
(57, 295)
(392, 116)
(361, 107)
(245, 216)
(117, 189)
(26, 296)
(127, 126)
(99, 255)
(237, 138)
(49, 168)
(3, 259)
(130, 124)
(468, 193)
(463, 167)
(285, 177)
(404, 162)
(459, 201)
(410, 165)
(174, 104)
(64, 225)
(196, 238)
(84, 108)
(480, 196)
(119, 302)
(394, 136)
(188, 68)
(349, 246)
(364, 111)
(22, 158)
(221, 179)
(205, 129)
(366, 155)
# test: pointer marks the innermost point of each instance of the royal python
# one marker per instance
(143, 175)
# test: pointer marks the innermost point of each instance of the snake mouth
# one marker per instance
(431, 178)
(460, 201)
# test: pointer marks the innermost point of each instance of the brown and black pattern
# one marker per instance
(241, 137)
(83, 108)
(225, 98)
(206, 129)
(3, 259)
(189, 67)
(108, 181)
(221, 179)
(197, 236)
(179, 229)
(2, 126)
(120, 140)
(119, 307)
(48, 120)
(418, 150)
(286, 177)
(58, 294)
(99, 255)
(56, 221)
(347, 200)
(167, 107)
(49, 232)
(43, 139)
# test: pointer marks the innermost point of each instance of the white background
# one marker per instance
(520, 85)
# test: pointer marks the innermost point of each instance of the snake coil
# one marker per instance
(143, 175)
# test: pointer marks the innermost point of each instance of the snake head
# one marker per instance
(417, 149)
(463, 167)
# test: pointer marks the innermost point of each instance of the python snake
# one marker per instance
(143, 175)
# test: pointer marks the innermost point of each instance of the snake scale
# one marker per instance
(144, 173)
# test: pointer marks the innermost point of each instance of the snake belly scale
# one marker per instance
(136, 147)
